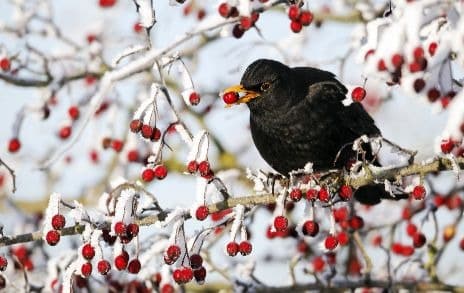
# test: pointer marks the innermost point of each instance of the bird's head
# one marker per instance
(265, 85)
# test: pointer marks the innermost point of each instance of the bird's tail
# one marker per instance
(373, 194)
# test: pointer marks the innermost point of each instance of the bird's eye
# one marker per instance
(265, 86)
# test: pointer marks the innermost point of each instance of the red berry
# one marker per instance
(86, 269)
(132, 156)
(294, 12)
(200, 275)
(156, 134)
(310, 228)
(345, 192)
(58, 222)
(3, 263)
(419, 85)
(160, 172)
(224, 10)
(134, 266)
(246, 22)
(107, 3)
(407, 250)
(192, 167)
(418, 53)
(88, 252)
(330, 242)
(65, 132)
(418, 192)
(135, 125)
(232, 248)
(230, 97)
(147, 131)
(73, 112)
(52, 237)
(204, 168)
(173, 252)
(318, 264)
(120, 262)
(120, 229)
(306, 17)
(447, 145)
(397, 60)
(186, 274)
(311, 194)
(117, 145)
(433, 48)
(414, 67)
(461, 244)
(433, 94)
(418, 240)
(411, 229)
(5, 64)
(14, 145)
(356, 222)
(280, 223)
(196, 261)
(245, 247)
(296, 194)
(138, 27)
(148, 175)
(340, 214)
(194, 98)
(381, 65)
(343, 238)
(132, 230)
(358, 94)
(202, 213)
(238, 31)
(323, 194)
(296, 26)
(167, 288)
(103, 266)
(177, 276)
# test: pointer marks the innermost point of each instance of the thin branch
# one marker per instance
(12, 173)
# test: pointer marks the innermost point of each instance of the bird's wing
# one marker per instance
(354, 118)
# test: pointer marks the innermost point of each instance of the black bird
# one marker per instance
(297, 116)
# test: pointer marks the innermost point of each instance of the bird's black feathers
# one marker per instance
(300, 118)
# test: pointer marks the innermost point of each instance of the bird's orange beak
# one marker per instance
(244, 95)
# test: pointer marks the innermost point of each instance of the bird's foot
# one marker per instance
(271, 179)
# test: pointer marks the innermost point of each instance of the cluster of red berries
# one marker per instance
(246, 22)
(184, 274)
(53, 236)
(126, 232)
(147, 131)
(23, 256)
(345, 193)
(245, 247)
(299, 18)
(448, 145)
(114, 143)
(190, 7)
(418, 238)
(5, 64)
(158, 172)
(202, 167)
